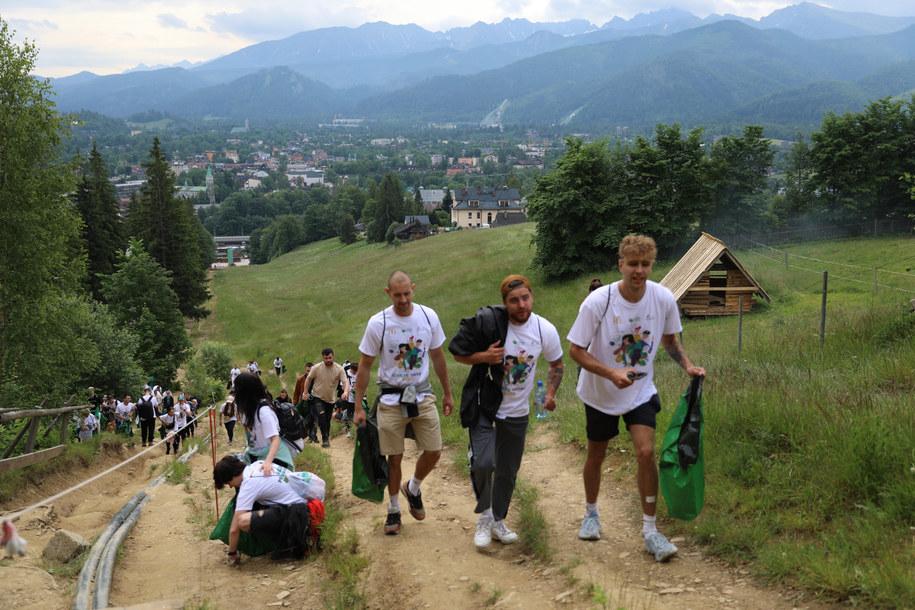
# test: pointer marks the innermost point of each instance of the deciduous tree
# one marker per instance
(572, 208)
(41, 265)
(140, 297)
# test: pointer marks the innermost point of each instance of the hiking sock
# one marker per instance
(486, 514)
(413, 485)
(591, 509)
(395, 503)
(648, 525)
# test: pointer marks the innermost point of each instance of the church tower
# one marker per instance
(211, 187)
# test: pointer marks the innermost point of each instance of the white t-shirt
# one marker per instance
(183, 413)
(523, 345)
(168, 420)
(252, 367)
(277, 363)
(86, 426)
(153, 400)
(628, 336)
(124, 409)
(235, 372)
(222, 411)
(274, 489)
(351, 377)
(265, 426)
(403, 351)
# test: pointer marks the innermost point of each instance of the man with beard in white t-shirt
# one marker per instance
(615, 339)
(404, 337)
(504, 344)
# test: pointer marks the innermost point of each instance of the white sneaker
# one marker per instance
(658, 545)
(501, 533)
(484, 533)
(590, 528)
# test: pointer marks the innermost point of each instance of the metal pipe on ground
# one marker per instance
(82, 600)
(106, 564)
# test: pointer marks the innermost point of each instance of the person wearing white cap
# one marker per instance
(228, 416)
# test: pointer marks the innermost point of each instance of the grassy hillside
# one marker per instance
(810, 460)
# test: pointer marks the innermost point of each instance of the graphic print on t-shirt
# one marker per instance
(517, 366)
(409, 354)
(633, 348)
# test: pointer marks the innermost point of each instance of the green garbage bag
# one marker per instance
(681, 467)
(250, 545)
(370, 472)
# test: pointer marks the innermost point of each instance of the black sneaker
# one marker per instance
(415, 501)
(392, 525)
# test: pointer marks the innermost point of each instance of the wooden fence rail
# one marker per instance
(31, 456)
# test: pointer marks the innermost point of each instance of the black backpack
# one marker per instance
(145, 408)
(292, 425)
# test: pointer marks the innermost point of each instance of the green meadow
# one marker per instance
(809, 439)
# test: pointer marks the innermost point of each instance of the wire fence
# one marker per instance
(813, 232)
(763, 246)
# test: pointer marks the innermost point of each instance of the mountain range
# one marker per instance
(785, 71)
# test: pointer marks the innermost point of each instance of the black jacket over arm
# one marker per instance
(483, 389)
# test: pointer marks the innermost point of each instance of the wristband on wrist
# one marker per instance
(232, 553)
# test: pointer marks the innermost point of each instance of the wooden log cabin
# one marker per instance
(709, 281)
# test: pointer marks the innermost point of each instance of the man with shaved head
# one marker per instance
(404, 337)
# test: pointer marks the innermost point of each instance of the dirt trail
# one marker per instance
(431, 564)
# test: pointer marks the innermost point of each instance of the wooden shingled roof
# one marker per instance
(690, 276)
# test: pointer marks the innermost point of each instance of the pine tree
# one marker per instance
(347, 233)
(388, 208)
(103, 231)
(170, 233)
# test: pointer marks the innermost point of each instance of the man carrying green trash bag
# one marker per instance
(615, 338)
(370, 469)
(681, 467)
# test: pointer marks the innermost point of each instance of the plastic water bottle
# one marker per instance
(539, 399)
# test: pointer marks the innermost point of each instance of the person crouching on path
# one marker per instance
(496, 417)
(261, 424)
(253, 483)
(405, 394)
(615, 339)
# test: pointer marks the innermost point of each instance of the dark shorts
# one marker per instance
(601, 427)
(270, 522)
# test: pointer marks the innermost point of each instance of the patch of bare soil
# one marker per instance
(430, 564)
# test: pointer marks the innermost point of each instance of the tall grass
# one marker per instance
(809, 450)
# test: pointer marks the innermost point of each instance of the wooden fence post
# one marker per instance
(823, 309)
(739, 324)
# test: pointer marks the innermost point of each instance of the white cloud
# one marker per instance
(167, 20)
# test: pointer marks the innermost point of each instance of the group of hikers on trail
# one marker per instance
(502, 344)
(174, 417)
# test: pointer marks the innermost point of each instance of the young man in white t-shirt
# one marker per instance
(615, 339)
(124, 414)
(405, 337)
(497, 437)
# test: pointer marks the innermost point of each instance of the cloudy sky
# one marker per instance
(110, 36)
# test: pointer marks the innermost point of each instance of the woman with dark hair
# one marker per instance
(261, 424)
